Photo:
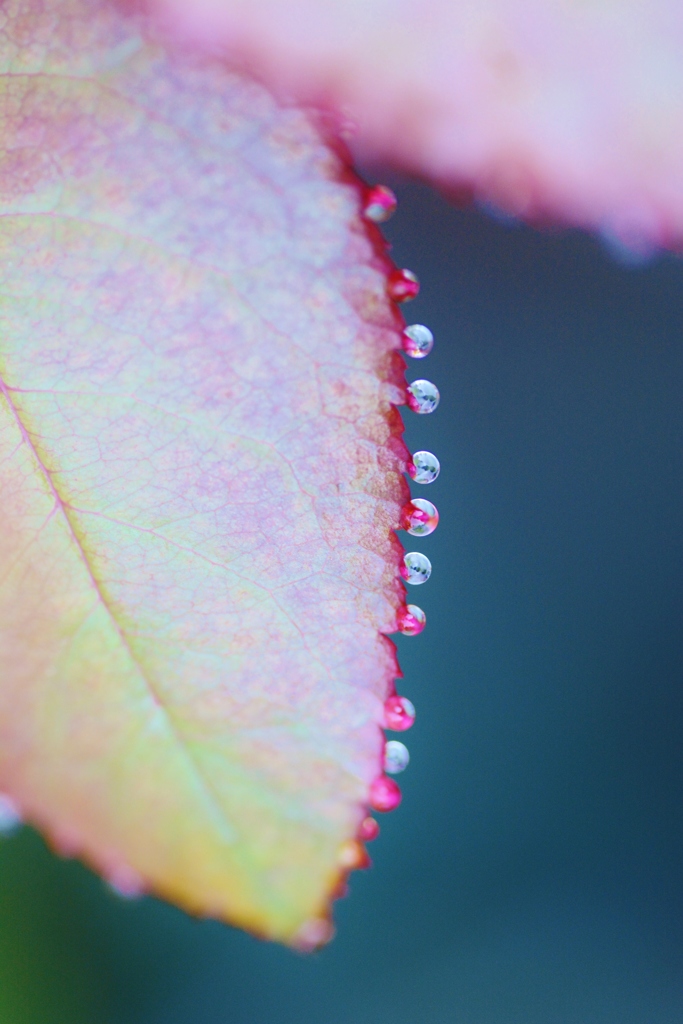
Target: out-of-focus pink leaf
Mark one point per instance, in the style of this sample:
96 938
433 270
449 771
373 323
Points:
200 470
567 109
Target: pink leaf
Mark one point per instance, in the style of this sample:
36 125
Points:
201 469
571 110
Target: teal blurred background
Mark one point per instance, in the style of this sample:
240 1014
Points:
533 874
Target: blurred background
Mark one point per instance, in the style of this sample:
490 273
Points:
533 874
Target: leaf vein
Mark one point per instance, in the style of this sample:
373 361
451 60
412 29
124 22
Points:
97 586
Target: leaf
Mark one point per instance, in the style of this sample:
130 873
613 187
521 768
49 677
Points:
200 469
571 110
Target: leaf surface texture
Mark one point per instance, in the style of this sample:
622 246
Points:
200 470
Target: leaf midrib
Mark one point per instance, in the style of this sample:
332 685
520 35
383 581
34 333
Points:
179 741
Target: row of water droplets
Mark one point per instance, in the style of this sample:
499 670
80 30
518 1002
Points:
419 518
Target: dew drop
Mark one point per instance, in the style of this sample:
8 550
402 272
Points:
422 396
399 713
369 829
65 841
10 818
425 468
402 285
419 517
385 794
380 204
125 882
410 620
418 341
353 856
396 757
416 568
313 934
347 127
341 889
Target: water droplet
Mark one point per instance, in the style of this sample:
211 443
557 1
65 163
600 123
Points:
353 856
396 757
422 396
380 204
347 127
399 713
385 794
411 620
369 829
125 882
313 934
425 468
416 568
341 889
418 341
10 818
402 285
419 517
65 841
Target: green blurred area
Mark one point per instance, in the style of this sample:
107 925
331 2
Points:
47 971
70 950
533 873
